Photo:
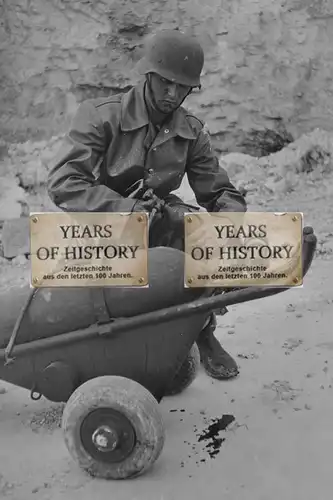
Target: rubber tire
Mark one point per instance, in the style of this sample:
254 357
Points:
187 373
133 401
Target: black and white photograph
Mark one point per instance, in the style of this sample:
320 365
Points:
166 249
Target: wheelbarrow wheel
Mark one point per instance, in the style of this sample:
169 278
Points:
113 428
187 372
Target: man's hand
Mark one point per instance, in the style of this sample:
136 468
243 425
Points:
148 202
143 206
150 196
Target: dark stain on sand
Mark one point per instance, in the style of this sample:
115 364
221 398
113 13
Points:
210 435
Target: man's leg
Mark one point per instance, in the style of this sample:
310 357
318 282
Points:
215 360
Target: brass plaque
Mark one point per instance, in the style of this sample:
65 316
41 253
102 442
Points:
243 249
89 249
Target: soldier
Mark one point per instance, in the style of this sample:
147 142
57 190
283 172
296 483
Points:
146 135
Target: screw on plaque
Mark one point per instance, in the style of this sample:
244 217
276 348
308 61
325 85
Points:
189 219
141 280
295 280
190 281
34 219
140 218
295 218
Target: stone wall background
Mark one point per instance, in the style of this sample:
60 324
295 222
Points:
269 64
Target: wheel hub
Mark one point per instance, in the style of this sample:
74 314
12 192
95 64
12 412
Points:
105 438
107 435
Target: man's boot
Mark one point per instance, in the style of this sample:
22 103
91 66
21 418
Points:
216 361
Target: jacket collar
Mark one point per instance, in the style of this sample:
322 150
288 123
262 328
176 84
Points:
134 114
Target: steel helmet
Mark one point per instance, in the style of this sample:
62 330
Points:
174 56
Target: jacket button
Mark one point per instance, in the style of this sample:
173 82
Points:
166 130
151 170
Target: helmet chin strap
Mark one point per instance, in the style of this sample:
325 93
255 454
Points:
153 100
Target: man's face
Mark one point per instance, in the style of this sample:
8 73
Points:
168 95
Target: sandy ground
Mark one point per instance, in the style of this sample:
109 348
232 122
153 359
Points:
279 445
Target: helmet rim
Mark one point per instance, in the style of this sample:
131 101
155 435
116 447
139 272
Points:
174 56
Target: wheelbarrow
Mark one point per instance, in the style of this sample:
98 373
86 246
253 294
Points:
112 354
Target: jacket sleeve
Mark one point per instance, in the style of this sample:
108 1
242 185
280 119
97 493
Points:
71 182
209 181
